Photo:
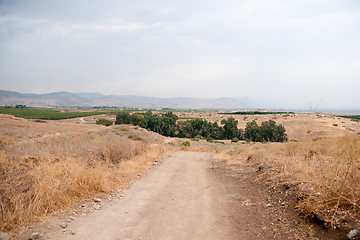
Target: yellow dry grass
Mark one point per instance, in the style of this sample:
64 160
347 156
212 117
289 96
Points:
330 169
326 172
51 173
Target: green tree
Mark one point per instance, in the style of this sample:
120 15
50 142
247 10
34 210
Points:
105 122
216 131
123 118
185 129
267 132
230 128
139 120
168 124
252 132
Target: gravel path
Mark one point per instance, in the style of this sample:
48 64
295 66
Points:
176 200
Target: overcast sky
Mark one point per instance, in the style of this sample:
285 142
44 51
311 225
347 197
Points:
291 53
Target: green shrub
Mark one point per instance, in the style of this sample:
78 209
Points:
235 139
335 125
105 122
186 144
317 139
210 140
199 137
2 143
122 129
135 137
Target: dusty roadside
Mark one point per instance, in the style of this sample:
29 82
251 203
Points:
266 207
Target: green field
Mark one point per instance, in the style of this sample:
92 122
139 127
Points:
48 113
353 117
255 113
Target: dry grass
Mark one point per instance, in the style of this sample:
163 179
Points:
330 170
14 130
326 173
45 174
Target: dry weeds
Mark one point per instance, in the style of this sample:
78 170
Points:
326 173
42 175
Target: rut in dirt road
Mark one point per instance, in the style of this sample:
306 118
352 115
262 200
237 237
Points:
176 200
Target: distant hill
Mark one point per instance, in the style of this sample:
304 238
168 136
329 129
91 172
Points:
66 99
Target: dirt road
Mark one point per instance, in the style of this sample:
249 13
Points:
189 195
177 200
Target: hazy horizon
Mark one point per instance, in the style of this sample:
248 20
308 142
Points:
290 54
250 104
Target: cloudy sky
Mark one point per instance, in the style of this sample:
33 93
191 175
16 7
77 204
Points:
290 53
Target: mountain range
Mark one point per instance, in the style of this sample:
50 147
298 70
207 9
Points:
85 99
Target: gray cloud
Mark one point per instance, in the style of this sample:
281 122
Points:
290 53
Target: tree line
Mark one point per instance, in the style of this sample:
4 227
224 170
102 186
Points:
167 124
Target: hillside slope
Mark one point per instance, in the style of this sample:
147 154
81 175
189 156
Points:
66 99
